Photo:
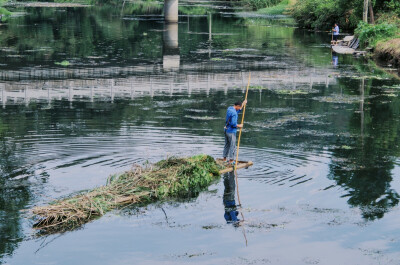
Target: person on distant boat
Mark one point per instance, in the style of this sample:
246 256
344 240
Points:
230 130
335 34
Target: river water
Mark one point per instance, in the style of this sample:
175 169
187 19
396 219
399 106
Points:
88 92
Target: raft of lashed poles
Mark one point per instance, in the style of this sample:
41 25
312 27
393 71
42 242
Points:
170 178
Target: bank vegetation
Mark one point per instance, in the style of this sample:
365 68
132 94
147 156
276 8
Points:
375 22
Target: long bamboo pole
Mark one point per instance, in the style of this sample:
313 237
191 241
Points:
238 145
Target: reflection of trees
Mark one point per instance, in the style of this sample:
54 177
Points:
95 35
13 197
365 170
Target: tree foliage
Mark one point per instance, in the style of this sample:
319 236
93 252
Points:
323 14
370 34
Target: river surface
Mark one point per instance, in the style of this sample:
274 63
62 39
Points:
88 92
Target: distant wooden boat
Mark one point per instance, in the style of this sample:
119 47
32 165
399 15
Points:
343 49
230 168
346 46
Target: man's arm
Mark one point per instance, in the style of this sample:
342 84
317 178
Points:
243 104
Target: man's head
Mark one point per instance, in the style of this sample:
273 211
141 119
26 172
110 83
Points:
237 105
336 24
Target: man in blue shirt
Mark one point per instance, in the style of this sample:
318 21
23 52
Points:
231 129
335 34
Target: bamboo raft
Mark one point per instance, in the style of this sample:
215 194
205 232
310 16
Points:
230 168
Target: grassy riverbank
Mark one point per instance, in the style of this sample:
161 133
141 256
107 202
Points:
383 37
280 9
269 7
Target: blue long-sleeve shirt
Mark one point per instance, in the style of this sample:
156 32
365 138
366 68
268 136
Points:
336 32
231 119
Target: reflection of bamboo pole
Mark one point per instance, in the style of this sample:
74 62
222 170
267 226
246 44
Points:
362 109
240 134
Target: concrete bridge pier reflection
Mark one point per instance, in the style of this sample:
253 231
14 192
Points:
171 56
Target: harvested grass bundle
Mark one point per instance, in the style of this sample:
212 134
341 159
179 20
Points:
171 178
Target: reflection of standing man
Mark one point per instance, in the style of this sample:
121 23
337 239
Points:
231 212
231 129
335 59
335 34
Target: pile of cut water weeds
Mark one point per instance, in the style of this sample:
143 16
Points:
170 178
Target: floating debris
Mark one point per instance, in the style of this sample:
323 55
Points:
346 147
240 50
295 92
344 99
272 110
202 118
287 119
285 91
391 87
197 110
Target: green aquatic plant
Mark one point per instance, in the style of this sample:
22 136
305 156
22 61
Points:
292 92
63 63
218 59
170 178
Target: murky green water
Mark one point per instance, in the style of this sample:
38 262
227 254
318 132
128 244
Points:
321 129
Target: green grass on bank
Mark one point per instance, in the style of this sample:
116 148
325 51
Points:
383 37
279 9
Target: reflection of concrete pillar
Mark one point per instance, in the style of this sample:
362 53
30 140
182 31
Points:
151 87
208 84
92 93
209 27
3 95
132 90
70 95
171 10
112 90
171 56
